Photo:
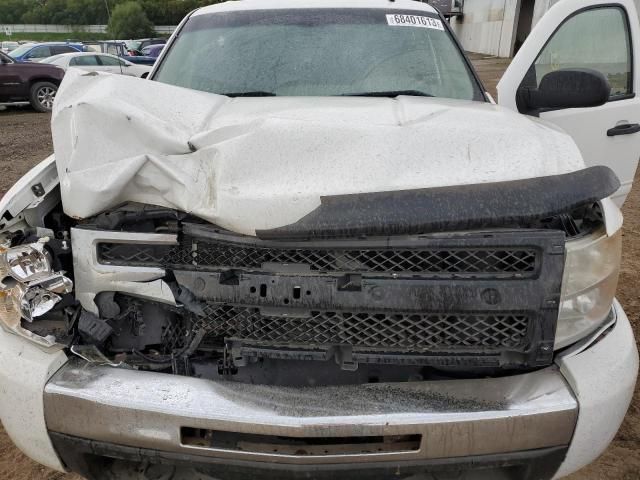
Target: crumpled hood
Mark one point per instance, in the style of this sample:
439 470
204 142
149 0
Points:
247 164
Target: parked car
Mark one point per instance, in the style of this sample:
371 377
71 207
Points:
98 62
114 47
119 48
312 246
140 44
29 82
153 51
7 47
140 59
37 51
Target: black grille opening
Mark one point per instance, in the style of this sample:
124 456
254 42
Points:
410 332
195 254
298 446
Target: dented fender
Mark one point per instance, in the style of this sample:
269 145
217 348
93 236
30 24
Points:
37 188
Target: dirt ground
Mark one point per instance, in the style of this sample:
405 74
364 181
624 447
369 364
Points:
25 140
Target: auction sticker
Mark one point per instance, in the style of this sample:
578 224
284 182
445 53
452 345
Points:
399 20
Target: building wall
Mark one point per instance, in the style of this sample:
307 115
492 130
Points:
490 26
487 26
541 8
543 5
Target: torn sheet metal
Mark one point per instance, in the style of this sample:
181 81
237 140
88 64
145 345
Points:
261 163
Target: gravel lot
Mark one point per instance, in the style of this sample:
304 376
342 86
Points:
25 140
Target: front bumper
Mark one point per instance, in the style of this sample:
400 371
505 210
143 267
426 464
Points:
450 418
511 427
554 417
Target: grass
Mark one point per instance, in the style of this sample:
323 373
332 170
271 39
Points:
53 37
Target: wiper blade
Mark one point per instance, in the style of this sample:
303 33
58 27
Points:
390 94
257 93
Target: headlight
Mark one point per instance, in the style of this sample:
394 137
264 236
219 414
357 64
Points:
25 263
589 285
28 288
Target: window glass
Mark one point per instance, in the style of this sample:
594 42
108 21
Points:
114 49
133 44
20 51
597 39
39 52
324 52
58 49
84 61
110 61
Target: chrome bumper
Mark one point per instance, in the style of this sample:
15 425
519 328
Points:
453 418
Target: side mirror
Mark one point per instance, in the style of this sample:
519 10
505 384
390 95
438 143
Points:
566 88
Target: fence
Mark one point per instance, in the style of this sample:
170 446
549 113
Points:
40 28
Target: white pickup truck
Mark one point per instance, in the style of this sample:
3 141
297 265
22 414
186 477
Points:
313 247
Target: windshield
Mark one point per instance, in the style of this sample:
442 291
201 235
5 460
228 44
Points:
319 52
21 50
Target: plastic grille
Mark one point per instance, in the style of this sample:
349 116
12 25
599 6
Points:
409 332
192 254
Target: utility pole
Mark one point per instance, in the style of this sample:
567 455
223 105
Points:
106 4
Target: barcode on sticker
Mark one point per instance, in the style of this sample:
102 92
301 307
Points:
420 21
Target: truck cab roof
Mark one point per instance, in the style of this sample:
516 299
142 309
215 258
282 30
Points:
294 4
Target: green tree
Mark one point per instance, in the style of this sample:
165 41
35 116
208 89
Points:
128 20
91 12
11 11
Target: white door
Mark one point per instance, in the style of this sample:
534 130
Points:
111 64
85 62
601 35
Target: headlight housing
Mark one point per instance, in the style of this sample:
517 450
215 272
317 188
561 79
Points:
25 263
589 285
29 288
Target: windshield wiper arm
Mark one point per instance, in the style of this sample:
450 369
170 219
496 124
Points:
390 94
257 93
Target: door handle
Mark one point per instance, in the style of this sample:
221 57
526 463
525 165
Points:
625 129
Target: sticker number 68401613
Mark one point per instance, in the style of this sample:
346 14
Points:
399 20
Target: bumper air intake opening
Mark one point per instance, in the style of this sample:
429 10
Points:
299 447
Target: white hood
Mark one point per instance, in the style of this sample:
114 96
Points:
247 164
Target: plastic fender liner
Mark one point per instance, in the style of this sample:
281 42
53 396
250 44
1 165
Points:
461 207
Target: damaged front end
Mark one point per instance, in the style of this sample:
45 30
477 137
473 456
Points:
174 249
157 289
30 288
36 264
459 300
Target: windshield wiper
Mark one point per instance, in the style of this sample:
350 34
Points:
390 94
257 93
